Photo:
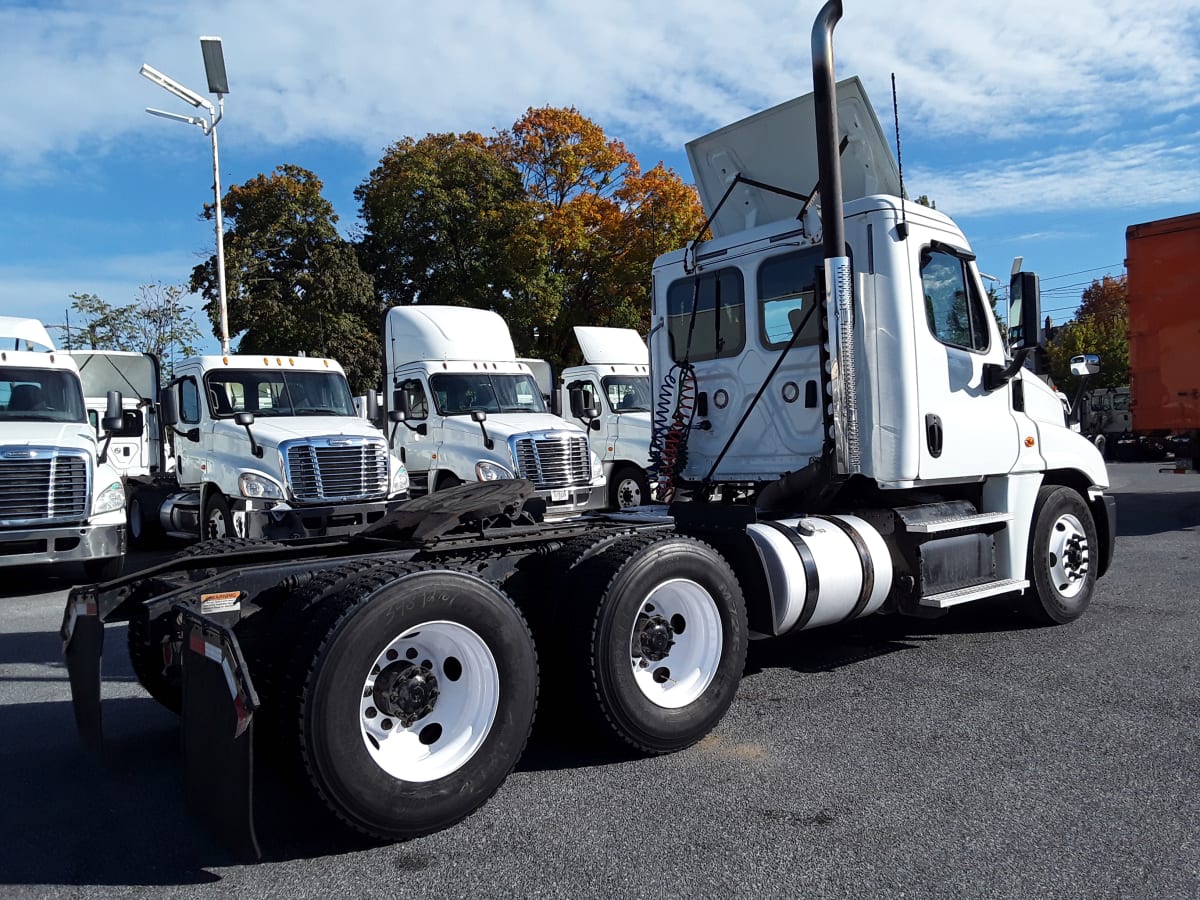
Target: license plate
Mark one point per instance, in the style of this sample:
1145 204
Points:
557 495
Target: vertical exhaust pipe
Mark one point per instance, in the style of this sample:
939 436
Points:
829 169
839 279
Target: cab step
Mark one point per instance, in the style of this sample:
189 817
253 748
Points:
958 523
974 592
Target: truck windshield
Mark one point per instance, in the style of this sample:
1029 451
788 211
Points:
627 393
277 393
40 395
457 393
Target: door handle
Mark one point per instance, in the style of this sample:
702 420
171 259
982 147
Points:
933 434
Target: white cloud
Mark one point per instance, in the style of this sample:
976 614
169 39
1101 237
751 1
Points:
369 71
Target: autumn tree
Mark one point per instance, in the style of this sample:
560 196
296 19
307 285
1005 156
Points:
446 221
1101 326
294 284
157 321
602 222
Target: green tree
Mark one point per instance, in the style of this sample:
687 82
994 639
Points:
156 322
293 284
447 222
1101 326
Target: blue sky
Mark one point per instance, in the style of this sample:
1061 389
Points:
1044 129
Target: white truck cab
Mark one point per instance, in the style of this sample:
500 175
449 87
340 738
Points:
268 446
615 379
473 412
60 500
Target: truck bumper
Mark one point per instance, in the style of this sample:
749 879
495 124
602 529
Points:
73 543
568 501
283 522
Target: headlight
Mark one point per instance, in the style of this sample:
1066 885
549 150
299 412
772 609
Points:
259 487
490 471
399 483
112 497
597 467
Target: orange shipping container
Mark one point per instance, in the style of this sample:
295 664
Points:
1163 263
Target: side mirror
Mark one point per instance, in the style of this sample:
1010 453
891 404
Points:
1087 364
396 415
245 419
168 407
372 407
578 410
478 415
114 417
1025 311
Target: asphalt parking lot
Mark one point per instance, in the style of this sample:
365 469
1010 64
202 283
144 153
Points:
972 756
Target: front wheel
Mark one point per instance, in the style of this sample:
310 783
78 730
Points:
666 642
1062 566
628 487
218 520
418 700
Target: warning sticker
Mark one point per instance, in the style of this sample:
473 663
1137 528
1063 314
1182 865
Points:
225 601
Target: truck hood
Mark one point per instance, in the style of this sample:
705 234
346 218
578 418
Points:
502 426
76 435
272 432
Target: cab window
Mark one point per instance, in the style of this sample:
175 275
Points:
787 291
418 404
706 316
954 310
189 401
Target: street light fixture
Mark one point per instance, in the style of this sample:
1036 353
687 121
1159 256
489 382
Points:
218 83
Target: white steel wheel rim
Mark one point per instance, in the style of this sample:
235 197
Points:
442 740
629 492
1069 555
216 524
690 664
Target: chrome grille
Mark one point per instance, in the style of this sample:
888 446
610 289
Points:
553 460
41 485
337 470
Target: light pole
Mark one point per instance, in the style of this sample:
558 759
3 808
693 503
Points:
218 83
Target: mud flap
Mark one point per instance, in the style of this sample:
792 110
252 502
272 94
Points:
83 644
218 733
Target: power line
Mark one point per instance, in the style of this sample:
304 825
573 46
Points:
1085 271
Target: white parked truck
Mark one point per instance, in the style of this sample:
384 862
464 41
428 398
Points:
847 435
473 412
60 499
615 380
242 445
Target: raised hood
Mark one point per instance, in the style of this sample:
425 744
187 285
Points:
778 146
611 346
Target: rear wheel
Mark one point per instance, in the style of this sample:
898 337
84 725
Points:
665 625
155 663
1062 567
145 531
416 701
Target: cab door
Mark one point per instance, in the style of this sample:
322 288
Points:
966 431
191 456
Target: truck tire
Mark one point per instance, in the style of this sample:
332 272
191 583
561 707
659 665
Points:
145 530
665 629
447 480
416 701
218 520
628 487
1062 563
162 680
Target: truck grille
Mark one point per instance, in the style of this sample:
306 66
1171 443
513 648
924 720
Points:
555 460
42 486
337 470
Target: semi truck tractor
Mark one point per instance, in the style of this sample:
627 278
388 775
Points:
615 380
473 412
61 500
241 446
1162 259
844 434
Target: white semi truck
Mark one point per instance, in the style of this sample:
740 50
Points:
242 445
847 435
473 412
615 380
61 501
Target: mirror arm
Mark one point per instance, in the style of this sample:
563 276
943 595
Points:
254 445
995 377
